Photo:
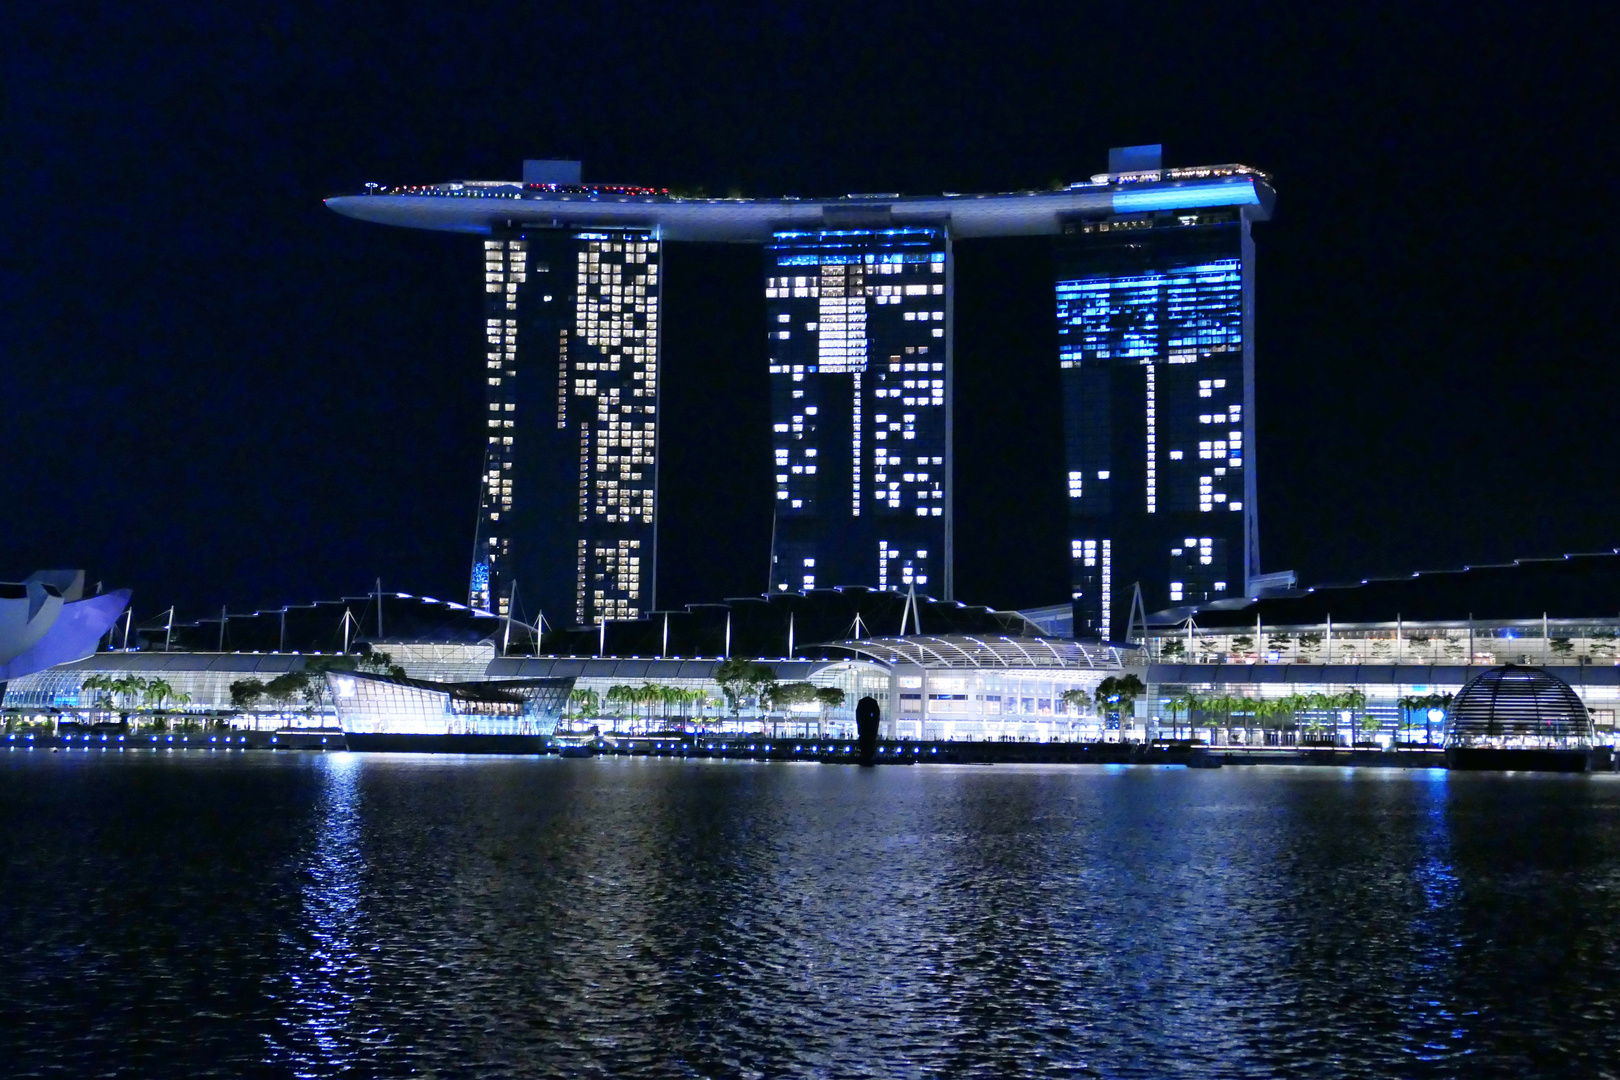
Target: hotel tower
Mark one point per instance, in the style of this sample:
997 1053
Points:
1154 288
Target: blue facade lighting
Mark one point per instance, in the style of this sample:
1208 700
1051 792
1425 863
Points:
1187 197
1157 368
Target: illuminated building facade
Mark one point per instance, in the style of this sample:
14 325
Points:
1154 288
568 507
859 323
1156 329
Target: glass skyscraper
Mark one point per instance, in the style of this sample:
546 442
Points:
1156 329
860 372
567 517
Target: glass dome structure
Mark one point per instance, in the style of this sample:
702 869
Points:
1518 708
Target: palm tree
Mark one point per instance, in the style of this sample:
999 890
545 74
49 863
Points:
1264 709
587 702
1230 703
689 697
180 699
127 687
1406 706
101 685
1215 708
1190 704
1354 702
1304 708
156 692
673 697
1295 704
1243 707
1186 703
1173 703
617 696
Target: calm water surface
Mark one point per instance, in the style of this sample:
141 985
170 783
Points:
343 915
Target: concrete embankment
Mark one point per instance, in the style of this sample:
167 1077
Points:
831 751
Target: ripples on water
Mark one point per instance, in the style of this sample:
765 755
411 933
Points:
345 915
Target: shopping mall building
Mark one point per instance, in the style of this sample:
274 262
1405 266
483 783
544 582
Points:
938 670
1266 669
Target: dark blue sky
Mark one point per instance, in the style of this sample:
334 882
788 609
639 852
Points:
216 391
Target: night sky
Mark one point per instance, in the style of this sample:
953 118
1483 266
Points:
216 391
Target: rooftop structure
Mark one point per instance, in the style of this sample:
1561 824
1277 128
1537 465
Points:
778 624
484 206
1580 587
330 626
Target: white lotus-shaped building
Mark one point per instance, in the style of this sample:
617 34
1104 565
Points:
47 620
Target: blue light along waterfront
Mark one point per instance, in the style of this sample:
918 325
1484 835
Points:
325 915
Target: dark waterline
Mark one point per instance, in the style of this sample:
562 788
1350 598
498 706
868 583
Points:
347 915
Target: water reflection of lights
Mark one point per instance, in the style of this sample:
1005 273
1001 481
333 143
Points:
327 975
1430 1023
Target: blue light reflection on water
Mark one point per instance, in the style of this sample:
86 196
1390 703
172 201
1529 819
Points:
326 974
382 915
1430 1027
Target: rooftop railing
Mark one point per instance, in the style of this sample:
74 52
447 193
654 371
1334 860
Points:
1448 646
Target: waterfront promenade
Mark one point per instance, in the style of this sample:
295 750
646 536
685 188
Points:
829 751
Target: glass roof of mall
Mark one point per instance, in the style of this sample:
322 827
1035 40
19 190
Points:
965 651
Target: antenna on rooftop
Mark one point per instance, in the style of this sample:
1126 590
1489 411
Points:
911 611
511 609
1136 627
